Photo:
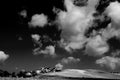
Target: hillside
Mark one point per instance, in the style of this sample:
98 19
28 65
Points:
88 73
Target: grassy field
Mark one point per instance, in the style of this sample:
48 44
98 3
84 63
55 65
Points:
50 78
35 79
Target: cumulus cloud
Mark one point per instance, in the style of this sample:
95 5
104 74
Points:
36 37
113 11
77 20
116 53
37 42
97 46
3 56
74 24
111 31
70 60
59 66
38 20
110 62
49 50
23 13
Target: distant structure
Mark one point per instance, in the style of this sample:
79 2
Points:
23 73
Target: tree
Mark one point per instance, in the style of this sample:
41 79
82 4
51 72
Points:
13 74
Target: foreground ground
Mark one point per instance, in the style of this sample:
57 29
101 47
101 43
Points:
71 74
51 78
35 79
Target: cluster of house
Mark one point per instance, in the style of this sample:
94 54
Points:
33 73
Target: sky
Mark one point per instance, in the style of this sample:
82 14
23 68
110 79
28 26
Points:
36 33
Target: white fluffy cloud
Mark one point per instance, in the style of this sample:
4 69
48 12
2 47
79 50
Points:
65 61
74 24
38 20
49 50
113 11
97 45
111 31
77 20
70 60
36 37
59 66
23 13
110 62
3 56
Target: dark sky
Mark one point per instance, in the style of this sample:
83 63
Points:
14 26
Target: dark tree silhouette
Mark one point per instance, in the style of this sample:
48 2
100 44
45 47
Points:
13 74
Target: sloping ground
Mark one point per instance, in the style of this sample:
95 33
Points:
75 73
52 78
71 74
103 74
49 78
45 78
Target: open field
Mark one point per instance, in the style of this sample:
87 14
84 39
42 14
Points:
52 78
36 79
69 74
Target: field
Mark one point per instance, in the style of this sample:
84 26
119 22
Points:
35 79
69 74
51 78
